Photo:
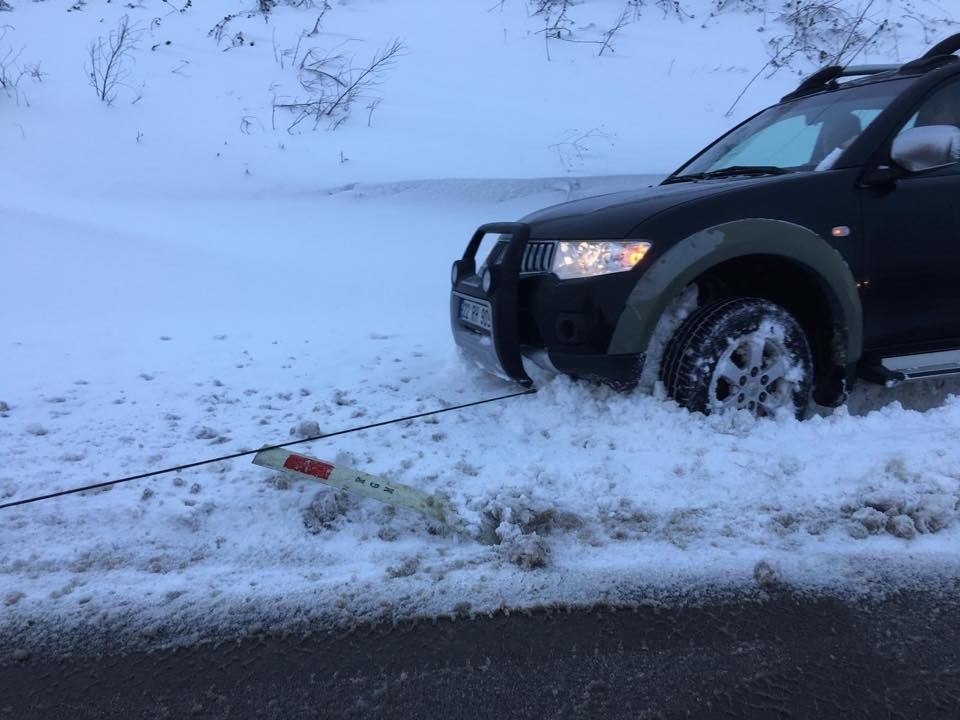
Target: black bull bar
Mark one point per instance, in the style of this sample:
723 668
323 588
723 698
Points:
497 349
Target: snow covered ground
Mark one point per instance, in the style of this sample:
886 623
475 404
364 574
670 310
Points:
183 281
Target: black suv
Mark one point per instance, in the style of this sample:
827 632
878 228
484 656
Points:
816 243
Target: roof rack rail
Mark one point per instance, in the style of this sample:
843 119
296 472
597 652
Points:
945 47
825 78
939 54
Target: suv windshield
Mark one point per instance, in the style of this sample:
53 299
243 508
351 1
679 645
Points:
809 133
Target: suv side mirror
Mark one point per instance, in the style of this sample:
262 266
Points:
926 147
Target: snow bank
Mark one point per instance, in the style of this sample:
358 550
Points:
167 350
182 281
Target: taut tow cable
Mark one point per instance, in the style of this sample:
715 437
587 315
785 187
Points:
245 453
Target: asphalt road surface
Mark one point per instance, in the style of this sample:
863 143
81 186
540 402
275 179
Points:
767 655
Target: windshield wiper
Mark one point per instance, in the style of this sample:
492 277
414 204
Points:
731 171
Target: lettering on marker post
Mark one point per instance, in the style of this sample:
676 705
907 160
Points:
356 481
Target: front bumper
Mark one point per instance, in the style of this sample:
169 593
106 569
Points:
562 325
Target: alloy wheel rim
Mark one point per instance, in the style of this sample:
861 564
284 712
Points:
752 375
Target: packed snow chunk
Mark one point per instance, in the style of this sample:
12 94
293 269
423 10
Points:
683 526
36 429
784 523
280 480
305 429
872 519
625 521
902 526
531 516
882 502
526 551
205 433
766 575
857 531
520 543
406 568
897 467
934 519
324 510
925 505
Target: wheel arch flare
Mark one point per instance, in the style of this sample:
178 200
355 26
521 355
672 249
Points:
694 257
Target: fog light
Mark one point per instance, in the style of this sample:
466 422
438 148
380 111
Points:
455 272
486 281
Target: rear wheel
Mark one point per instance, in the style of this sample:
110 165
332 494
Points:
740 354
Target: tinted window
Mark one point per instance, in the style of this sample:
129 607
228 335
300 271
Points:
941 108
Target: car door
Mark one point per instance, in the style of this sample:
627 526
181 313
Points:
911 293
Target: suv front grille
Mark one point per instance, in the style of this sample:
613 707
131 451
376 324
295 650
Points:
537 257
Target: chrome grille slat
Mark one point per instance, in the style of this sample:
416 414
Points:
537 257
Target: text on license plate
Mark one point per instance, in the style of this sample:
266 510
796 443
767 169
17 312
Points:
475 313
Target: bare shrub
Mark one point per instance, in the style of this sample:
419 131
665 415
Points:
187 4
109 60
929 15
556 14
826 31
266 6
334 84
610 34
667 7
835 32
747 6
33 71
559 24
324 9
576 145
12 71
217 31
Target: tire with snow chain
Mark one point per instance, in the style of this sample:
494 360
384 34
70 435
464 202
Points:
739 354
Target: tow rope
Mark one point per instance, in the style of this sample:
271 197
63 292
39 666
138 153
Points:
246 453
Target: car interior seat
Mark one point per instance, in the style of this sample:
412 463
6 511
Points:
836 132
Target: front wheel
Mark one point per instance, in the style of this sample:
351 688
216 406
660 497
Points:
740 354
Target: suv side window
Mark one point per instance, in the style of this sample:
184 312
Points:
941 108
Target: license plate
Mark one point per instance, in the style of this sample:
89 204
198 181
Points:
476 313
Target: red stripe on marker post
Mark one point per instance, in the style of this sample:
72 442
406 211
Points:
308 466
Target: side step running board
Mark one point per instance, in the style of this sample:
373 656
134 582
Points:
892 371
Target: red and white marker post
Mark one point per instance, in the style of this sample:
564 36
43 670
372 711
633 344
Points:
361 483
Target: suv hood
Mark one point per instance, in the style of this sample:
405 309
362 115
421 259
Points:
615 215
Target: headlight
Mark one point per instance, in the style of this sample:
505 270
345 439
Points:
586 258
